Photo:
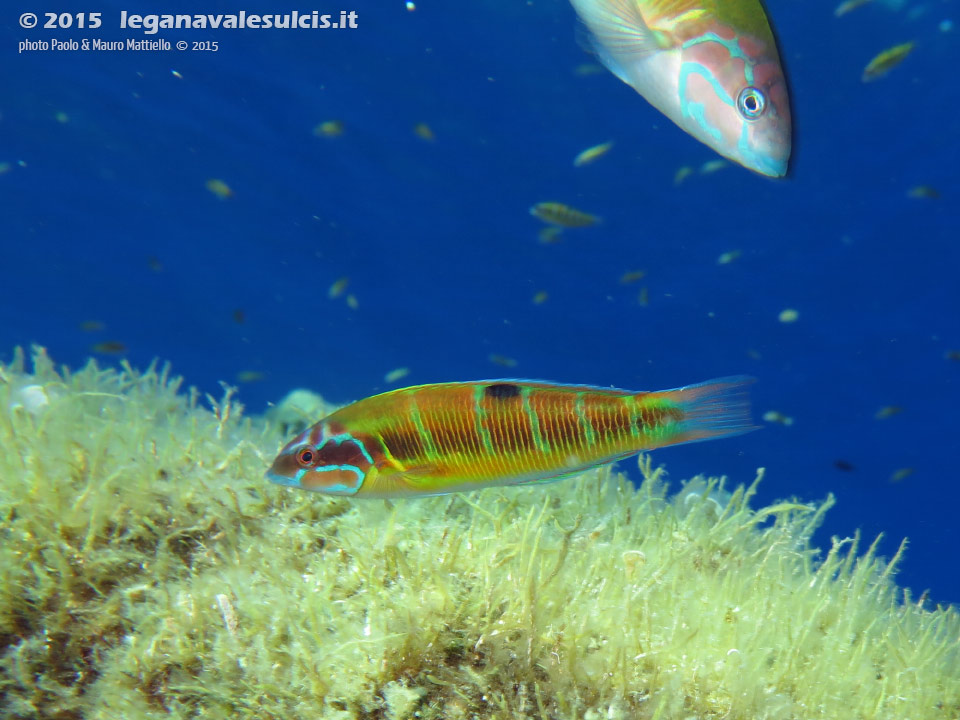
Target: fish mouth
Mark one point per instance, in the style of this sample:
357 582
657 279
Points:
769 166
279 479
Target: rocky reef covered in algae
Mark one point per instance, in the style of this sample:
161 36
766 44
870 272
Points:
149 571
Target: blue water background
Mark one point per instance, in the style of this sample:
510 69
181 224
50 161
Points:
106 218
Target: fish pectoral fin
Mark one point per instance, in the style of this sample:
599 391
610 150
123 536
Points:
418 471
394 481
666 17
415 478
620 33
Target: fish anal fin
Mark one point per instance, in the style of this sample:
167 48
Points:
552 478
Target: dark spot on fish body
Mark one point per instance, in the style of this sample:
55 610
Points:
501 391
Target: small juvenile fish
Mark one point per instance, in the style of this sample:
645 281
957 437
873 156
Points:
338 287
219 188
563 215
424 132
450 437
330 128
711 166
901 474
396 374
788 315
848 6
923 192
886 61
592 153
109 347
502 360
887 411
775 416
587 69
682 174
550 234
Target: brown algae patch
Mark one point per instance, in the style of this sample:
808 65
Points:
149 571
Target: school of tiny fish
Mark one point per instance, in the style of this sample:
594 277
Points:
714 69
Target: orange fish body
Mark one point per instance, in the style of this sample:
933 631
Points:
448 437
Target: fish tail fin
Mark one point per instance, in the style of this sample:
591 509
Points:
713 409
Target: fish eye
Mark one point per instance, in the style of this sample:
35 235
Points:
751 103
305 456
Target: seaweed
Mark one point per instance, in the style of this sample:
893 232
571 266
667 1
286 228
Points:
151 572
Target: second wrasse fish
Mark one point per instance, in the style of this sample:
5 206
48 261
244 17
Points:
563 215
711 66
449 437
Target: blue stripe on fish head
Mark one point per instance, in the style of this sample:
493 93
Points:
323 459
757 135
338 465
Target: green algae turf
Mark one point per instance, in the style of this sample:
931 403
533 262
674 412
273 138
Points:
149 571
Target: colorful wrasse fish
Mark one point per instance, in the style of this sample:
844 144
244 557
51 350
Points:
711 66
436 439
